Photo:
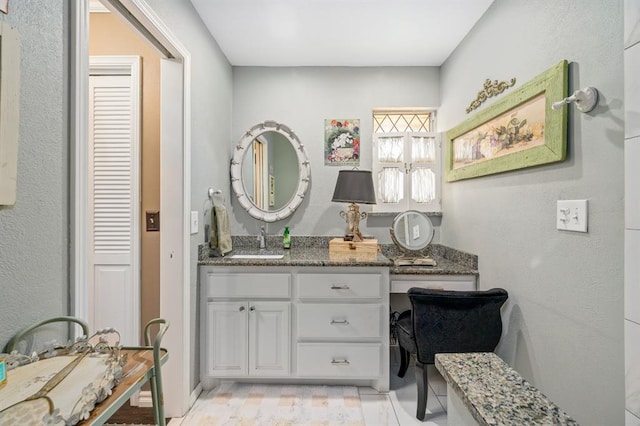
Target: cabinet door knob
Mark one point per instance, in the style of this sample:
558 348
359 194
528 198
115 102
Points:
253 308
340 362
241 308
341 322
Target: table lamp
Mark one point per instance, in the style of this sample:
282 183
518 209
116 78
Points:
354 186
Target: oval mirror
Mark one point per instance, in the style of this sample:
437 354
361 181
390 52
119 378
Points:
412 230
270 171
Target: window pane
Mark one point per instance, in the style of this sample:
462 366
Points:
388 122
423 149
423 185
390 150
390 185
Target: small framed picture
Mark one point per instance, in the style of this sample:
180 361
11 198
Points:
4 6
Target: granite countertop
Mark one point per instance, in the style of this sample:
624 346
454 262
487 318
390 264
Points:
495 394
314 251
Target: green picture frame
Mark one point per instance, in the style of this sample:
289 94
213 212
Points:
520 130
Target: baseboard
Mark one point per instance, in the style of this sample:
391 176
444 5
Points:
194 395
144 399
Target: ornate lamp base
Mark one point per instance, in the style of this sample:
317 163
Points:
353 217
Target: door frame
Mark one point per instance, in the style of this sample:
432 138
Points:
174 299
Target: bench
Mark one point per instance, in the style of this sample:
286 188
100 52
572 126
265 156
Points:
483 390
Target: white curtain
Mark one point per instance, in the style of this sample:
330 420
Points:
390 184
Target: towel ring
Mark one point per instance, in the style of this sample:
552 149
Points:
216 195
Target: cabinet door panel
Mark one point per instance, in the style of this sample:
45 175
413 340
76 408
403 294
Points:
227 339
270 337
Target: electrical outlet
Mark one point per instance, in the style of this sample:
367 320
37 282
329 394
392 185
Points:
572 215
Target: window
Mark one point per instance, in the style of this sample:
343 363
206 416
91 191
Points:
406 161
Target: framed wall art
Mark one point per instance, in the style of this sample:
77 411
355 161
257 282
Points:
520 130
342 142
9 108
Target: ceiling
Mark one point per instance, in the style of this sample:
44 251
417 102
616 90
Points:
339 32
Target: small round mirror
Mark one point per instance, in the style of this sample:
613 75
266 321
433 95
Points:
412 230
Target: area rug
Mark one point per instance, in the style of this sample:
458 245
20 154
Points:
247 404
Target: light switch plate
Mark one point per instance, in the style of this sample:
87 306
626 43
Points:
194 222
572 215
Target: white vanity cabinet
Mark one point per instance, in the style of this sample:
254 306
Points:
298 324
247 325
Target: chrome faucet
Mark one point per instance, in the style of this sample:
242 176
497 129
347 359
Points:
262 238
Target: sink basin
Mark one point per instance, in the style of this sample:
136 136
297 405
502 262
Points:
257 256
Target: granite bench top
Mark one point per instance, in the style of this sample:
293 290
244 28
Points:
495 394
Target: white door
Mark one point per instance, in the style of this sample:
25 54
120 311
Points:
269 338
175 289
226 351
114 210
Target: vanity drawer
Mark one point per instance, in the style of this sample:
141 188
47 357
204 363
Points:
339 360
339 320
339 286
247 285
402 283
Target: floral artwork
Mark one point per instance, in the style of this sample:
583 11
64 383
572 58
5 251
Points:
516 130
342 142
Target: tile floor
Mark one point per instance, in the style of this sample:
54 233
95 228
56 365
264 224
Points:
398 407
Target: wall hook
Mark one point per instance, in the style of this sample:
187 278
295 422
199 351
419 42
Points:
585 99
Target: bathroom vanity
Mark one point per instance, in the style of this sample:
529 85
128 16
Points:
305 318
299 315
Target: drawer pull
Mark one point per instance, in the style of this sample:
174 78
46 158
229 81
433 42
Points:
241 308
253 308
341 322
339 362
339 287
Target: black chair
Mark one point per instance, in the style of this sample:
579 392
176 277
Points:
443 321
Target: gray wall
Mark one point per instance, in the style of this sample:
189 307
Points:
563 321
34 233
210 128
303 98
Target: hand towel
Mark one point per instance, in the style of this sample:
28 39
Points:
220 236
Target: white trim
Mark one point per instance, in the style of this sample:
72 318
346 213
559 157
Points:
179 316
117 65
9 112
79 120
96 7
195 394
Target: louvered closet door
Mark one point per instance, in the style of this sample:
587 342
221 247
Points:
113 207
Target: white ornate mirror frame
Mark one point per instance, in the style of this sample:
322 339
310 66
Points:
304 172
